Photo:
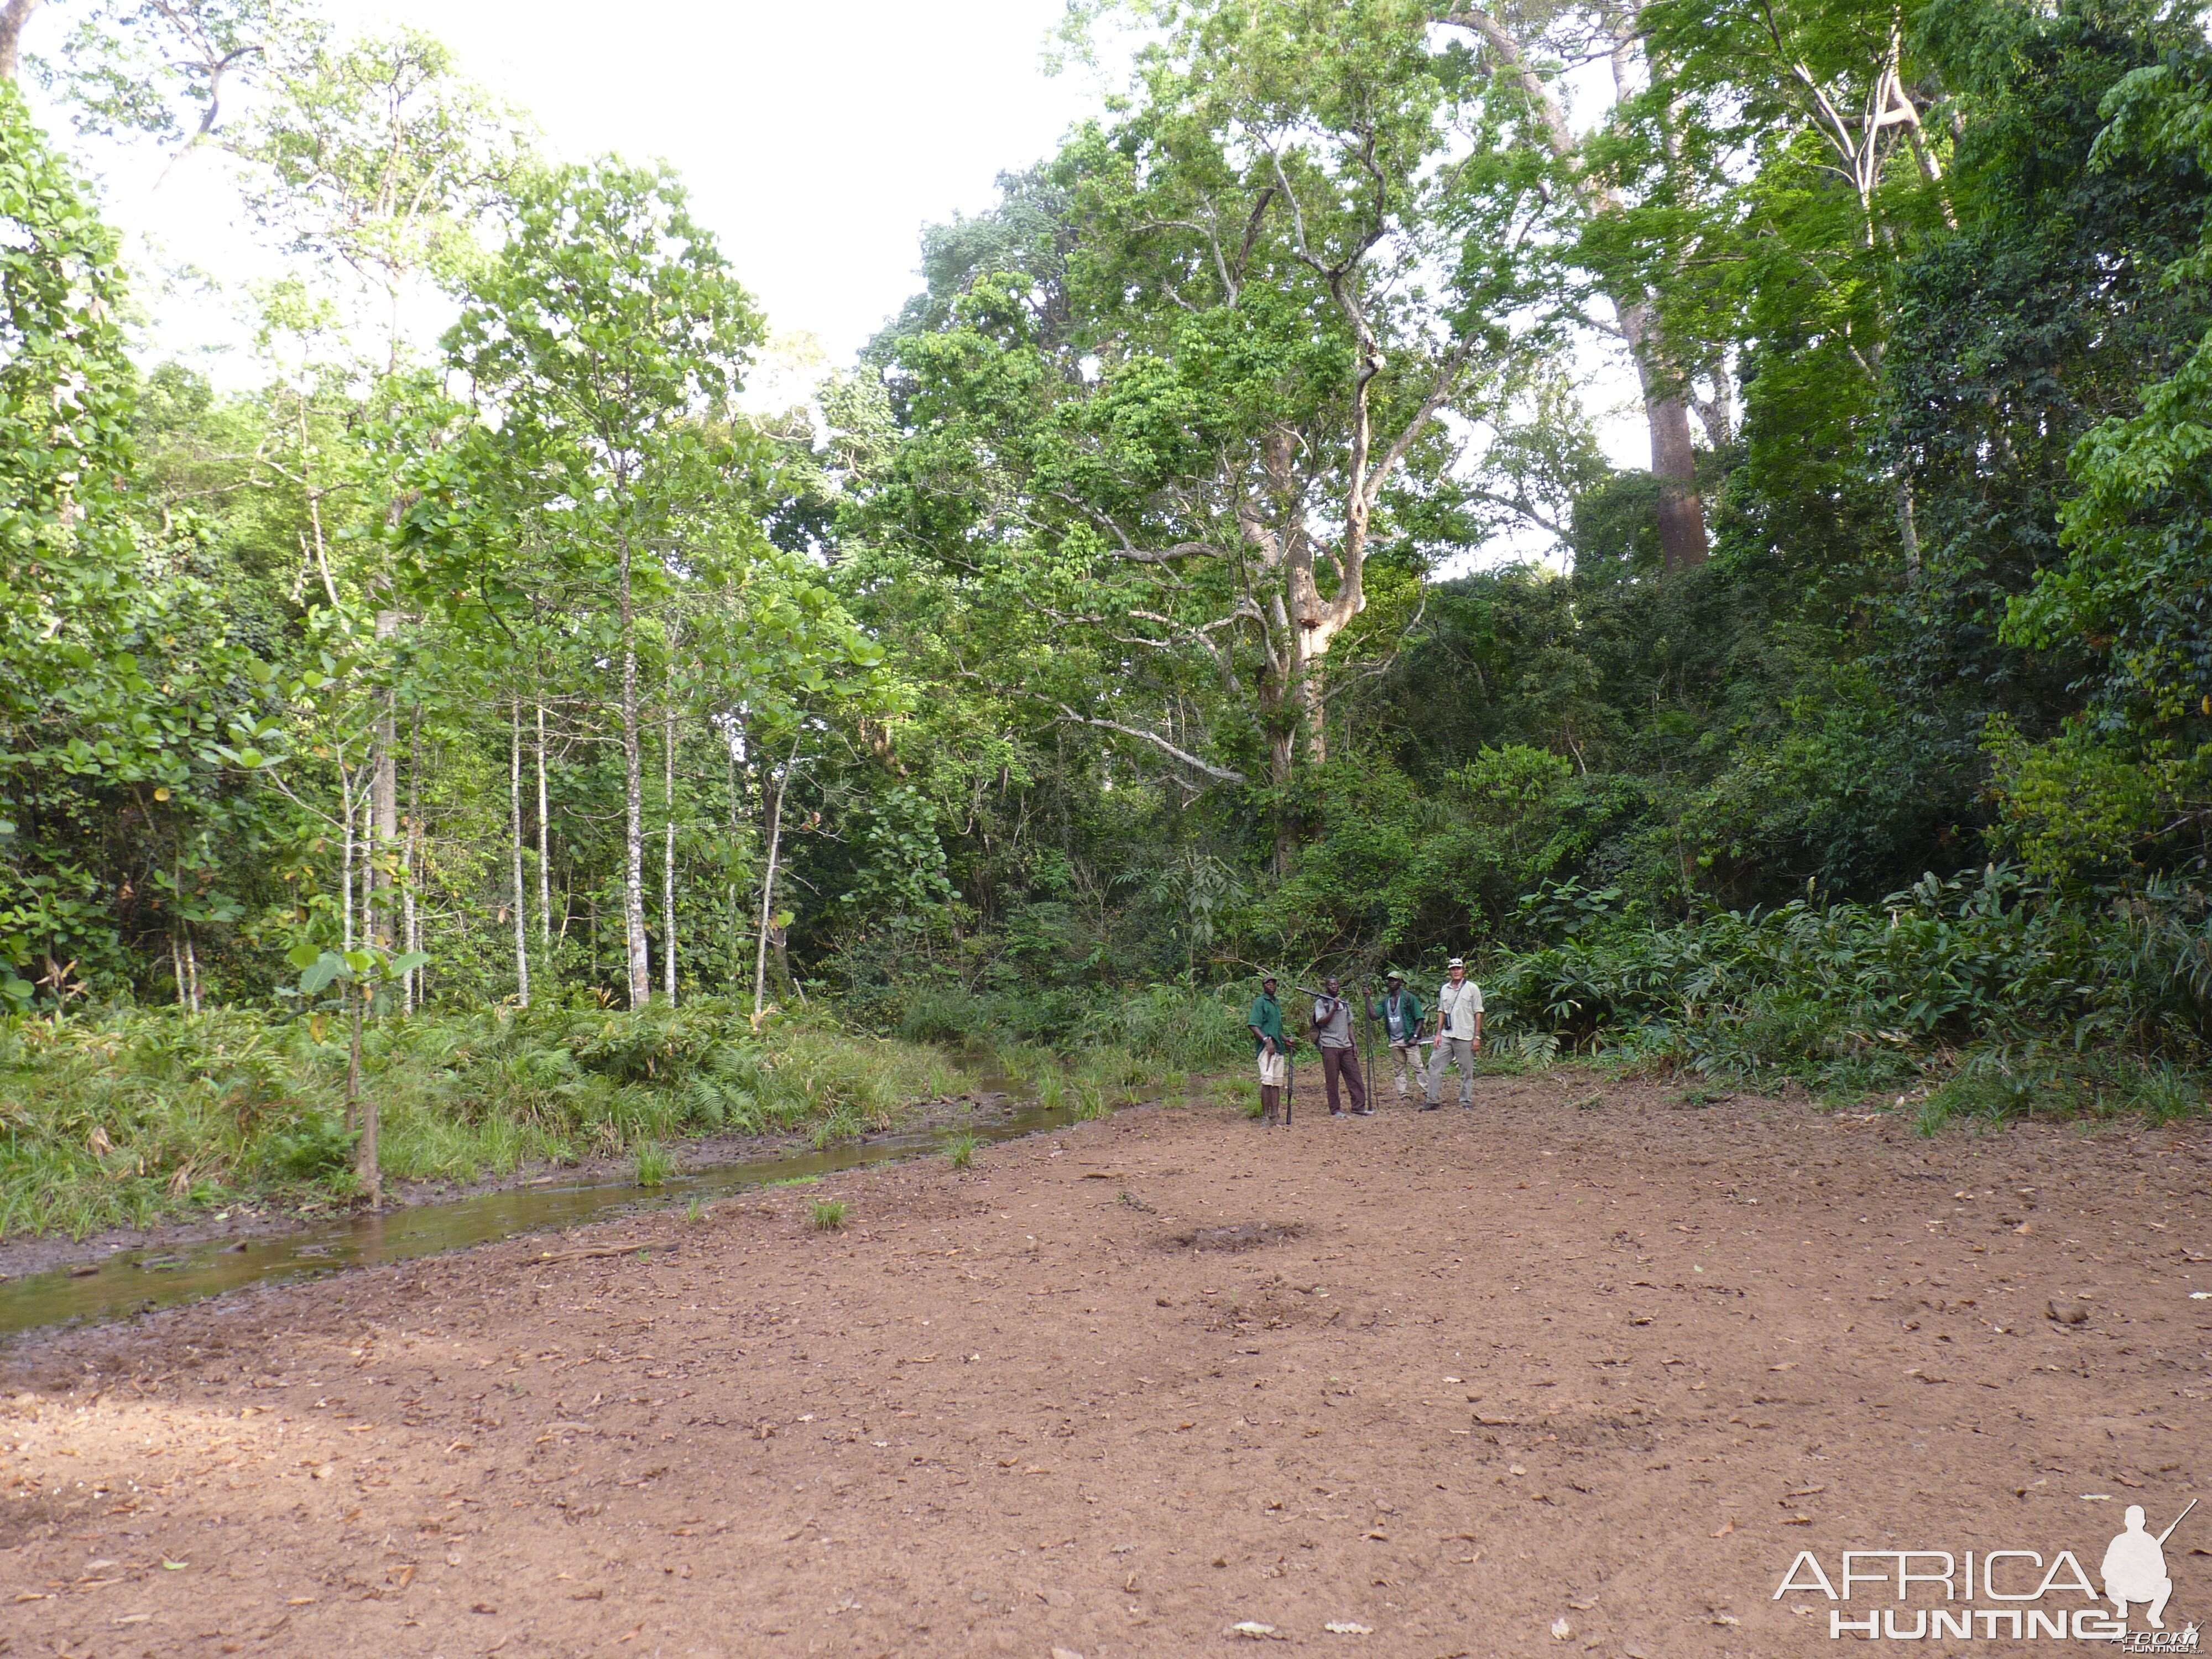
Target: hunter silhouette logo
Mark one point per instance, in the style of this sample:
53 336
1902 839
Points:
2033 1599
2135 1567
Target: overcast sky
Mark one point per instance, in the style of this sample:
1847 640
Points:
817 140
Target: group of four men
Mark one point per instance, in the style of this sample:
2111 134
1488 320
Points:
1457 1033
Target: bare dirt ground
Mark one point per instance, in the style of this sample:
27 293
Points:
1580 1371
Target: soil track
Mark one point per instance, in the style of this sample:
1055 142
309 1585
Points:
1584 1354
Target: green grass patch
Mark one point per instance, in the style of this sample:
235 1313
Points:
126 1116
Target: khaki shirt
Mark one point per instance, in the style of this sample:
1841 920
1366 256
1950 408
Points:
1456 1008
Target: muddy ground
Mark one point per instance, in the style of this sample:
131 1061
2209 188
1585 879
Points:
1579 1372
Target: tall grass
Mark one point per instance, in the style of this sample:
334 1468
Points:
119 1118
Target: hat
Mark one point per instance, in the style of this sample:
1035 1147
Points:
1394 973
1456 962
1266 979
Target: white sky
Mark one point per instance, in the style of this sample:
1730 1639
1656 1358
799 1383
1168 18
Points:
816 142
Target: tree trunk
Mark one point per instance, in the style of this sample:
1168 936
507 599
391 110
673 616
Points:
1666 411
514 811
1673 454
384 808
668 806
638 961
768 882
410 857
366 1168
12 19
730 752
544 848
1908 528
191 970
345 865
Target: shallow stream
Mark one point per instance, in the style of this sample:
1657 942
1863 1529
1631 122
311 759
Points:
129 1281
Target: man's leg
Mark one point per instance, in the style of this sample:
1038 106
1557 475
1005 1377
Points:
1404 1056
1332 1062
1463 1052
1432 1079
1354 1082
2158 1604
1270 1104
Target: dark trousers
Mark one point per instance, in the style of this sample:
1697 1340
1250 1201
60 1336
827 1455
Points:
1344 1062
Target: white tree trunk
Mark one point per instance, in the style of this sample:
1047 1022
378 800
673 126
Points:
383 836
514 808
668 844
410 858
639 960
544 854
767 891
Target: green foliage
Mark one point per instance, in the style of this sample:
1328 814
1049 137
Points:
651 1163
122 1117
827 1215
960 1150
1852 998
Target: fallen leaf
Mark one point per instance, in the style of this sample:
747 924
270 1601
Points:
1727 1527
1345 1627
1253 1629
1561 1629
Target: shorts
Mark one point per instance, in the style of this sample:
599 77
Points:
1272 1069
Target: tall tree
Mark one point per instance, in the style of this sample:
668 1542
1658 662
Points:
1190 440
602 340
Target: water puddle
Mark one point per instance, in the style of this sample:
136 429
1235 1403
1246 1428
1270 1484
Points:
130 1281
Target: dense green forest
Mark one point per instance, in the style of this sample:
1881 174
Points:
1214 563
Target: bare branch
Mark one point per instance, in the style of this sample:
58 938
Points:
1219 774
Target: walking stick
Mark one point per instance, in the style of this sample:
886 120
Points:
1289 1084
1367 1036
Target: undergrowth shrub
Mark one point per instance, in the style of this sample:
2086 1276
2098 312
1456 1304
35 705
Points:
2008 998
115 1117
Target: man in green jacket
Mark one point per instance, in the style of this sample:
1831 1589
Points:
1266 1022
1401 1014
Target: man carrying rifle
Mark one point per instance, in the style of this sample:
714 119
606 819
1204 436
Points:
1332 1024
1401 1013
1266 1024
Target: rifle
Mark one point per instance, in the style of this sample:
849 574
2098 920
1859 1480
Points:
2178 1520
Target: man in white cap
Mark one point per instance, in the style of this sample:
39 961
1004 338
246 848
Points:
2134 1569
1459 1035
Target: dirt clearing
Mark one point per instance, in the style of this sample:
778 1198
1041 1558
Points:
1580 1371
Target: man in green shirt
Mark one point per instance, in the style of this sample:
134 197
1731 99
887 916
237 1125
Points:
1266 1024
1402 1014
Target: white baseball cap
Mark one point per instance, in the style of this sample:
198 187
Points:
1456 962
